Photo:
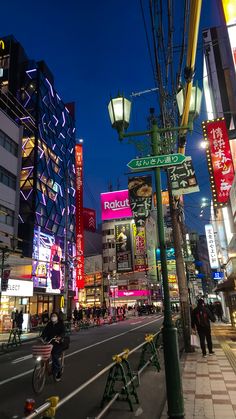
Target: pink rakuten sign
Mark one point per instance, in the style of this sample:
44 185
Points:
115 205
133 293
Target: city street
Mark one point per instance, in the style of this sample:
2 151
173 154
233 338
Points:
90 352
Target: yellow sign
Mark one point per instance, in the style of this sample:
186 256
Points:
229 7
2 44
62 302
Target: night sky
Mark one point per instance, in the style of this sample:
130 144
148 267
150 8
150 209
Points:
95 48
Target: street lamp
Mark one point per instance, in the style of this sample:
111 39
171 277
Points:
195 102
169 332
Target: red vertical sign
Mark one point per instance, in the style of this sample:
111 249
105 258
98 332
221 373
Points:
220 161
79 216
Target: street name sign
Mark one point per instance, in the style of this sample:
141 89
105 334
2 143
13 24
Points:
157 161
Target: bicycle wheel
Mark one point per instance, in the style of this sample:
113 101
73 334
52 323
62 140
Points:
39 377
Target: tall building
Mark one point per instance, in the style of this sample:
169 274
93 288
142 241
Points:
47 179
220 96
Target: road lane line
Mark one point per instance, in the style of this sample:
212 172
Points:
23 358
7 380
137 322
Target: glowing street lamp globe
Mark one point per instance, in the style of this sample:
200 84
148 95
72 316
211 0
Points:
119 110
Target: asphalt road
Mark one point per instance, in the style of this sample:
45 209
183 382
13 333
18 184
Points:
90 352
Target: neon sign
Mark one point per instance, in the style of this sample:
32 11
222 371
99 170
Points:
2 44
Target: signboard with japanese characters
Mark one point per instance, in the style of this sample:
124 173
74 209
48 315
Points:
140 256
183 179
214 263
219 158
140 197
79 216
156 161
123 247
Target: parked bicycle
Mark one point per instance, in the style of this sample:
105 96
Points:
42 369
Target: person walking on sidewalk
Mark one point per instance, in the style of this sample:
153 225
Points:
201 317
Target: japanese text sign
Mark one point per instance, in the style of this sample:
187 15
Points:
183 178
79 216
211 246
140 196
220 163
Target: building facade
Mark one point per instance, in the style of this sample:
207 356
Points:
47 178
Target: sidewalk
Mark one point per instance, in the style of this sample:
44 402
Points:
24 337
209 384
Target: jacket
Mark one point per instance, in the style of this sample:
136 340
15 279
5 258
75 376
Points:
201 317
53 329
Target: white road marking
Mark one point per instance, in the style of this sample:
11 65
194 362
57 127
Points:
23 358
137 322
15 377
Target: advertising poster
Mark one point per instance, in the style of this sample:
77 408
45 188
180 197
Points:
140 197
79 216
140 257
219 158
47 269
123 247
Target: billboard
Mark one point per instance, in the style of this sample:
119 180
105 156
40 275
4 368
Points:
132 293
211 246
115 205
140 257
123 247
79 241
47 270
89 219
140 196
219 159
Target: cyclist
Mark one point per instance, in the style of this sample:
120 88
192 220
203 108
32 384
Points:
55 329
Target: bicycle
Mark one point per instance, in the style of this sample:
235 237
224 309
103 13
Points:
42 354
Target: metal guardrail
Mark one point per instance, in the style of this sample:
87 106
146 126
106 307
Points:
43 408
156 339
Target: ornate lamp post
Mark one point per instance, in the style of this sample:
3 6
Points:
119 111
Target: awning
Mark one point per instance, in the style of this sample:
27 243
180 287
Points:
228 285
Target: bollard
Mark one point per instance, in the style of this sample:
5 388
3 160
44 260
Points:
51 411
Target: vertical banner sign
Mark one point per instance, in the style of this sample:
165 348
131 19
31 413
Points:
140 197
123 247
79 216
219 158
140 257
211 246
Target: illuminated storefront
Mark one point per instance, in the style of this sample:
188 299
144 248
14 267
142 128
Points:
16 297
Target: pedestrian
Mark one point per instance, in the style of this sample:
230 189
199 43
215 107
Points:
45 317
75 316
219 311
201 317
19 321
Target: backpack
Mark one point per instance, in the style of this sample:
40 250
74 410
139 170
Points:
65 342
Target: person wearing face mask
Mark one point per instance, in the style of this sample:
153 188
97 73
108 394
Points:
55 329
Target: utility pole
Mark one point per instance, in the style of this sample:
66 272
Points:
181 273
